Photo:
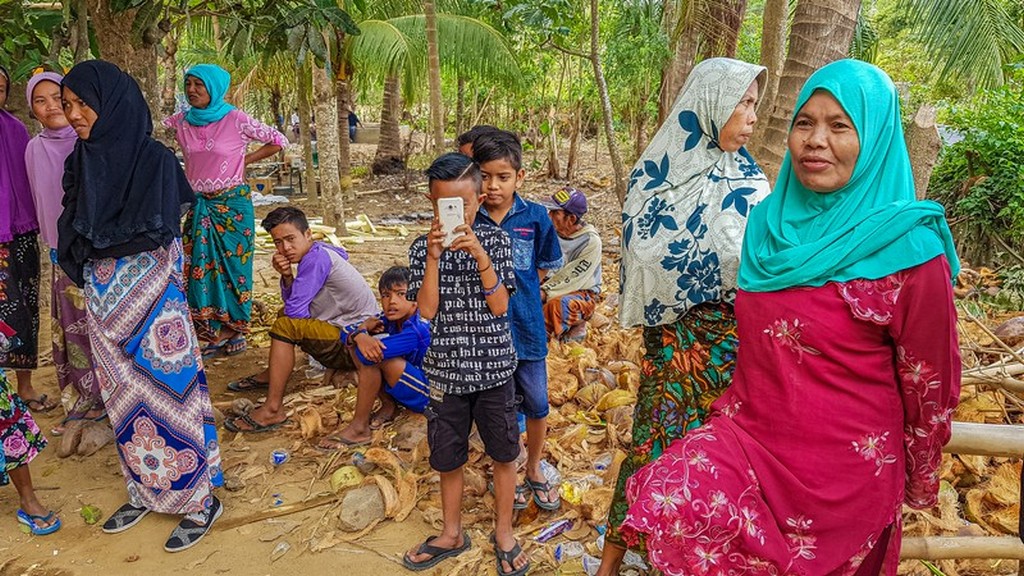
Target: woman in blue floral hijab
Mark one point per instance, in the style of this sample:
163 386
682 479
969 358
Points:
682 229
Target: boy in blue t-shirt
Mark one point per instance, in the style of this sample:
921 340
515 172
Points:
535 251
388 350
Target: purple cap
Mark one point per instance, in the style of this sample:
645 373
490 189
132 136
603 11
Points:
569 199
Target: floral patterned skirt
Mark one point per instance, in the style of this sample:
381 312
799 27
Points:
152 380
72 354
20 437
686 368
219 241
19 301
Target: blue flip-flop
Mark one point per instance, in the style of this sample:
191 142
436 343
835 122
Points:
30 521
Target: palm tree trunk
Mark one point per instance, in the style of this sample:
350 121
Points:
574 141
81 31
434 77
275 107
821 33
606 104
305 88
327 140
726 18
554 164
169 62
773 54
118 44
344 102
674 74
460 106
389 158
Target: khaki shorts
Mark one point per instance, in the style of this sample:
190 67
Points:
317 338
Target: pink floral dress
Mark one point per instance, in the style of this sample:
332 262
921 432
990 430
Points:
836 417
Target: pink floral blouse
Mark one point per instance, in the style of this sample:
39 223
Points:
836 417
215 153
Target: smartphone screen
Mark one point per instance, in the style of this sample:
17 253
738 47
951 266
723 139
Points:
451 213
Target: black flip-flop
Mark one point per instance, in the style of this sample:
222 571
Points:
247 384
341 443
544 487
41 401
436 554
509 556
232 426
521 490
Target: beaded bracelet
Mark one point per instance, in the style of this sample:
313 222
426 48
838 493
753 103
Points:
491 291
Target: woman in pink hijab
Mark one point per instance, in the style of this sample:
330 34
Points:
44 159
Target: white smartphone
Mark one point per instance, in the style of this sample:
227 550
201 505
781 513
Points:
451 213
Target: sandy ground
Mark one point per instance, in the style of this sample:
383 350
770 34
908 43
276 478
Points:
66 485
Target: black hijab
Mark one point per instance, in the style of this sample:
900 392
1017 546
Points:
123 191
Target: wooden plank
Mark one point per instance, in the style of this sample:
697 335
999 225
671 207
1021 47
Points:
986 439
957 547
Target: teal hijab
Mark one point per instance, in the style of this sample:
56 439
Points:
217 81
869 228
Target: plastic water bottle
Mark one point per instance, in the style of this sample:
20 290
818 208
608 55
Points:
315 369
551 474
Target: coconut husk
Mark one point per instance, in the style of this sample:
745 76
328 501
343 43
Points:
588 395
596 502
392 503
310 422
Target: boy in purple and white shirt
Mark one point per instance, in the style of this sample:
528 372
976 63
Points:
323 296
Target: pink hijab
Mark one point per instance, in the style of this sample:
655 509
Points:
44 159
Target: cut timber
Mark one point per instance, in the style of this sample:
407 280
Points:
230 523
956 547
986 439
923 144
993 372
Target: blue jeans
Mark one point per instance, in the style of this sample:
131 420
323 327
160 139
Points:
531 378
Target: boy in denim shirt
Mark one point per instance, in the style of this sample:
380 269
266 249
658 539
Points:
535 251
463 291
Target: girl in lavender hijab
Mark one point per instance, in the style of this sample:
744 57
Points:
44 159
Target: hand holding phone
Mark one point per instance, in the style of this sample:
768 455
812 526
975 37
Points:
451 214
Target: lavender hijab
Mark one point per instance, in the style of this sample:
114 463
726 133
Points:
44 159
17 213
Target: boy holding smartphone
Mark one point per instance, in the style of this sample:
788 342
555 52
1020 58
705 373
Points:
463 290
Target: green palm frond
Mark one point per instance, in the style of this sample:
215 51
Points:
383 49
970 39
468 47
864 45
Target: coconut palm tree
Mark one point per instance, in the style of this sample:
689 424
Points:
392 48
972 40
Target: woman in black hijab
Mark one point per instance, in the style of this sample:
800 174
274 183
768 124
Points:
120 237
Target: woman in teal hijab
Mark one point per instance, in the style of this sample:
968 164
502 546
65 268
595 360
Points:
215 81
849 368
869 227
214 137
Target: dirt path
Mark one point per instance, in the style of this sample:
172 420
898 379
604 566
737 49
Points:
68 484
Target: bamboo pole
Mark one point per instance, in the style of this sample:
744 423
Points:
986 439
959 547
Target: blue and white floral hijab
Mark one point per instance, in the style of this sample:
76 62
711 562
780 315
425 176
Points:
687 203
